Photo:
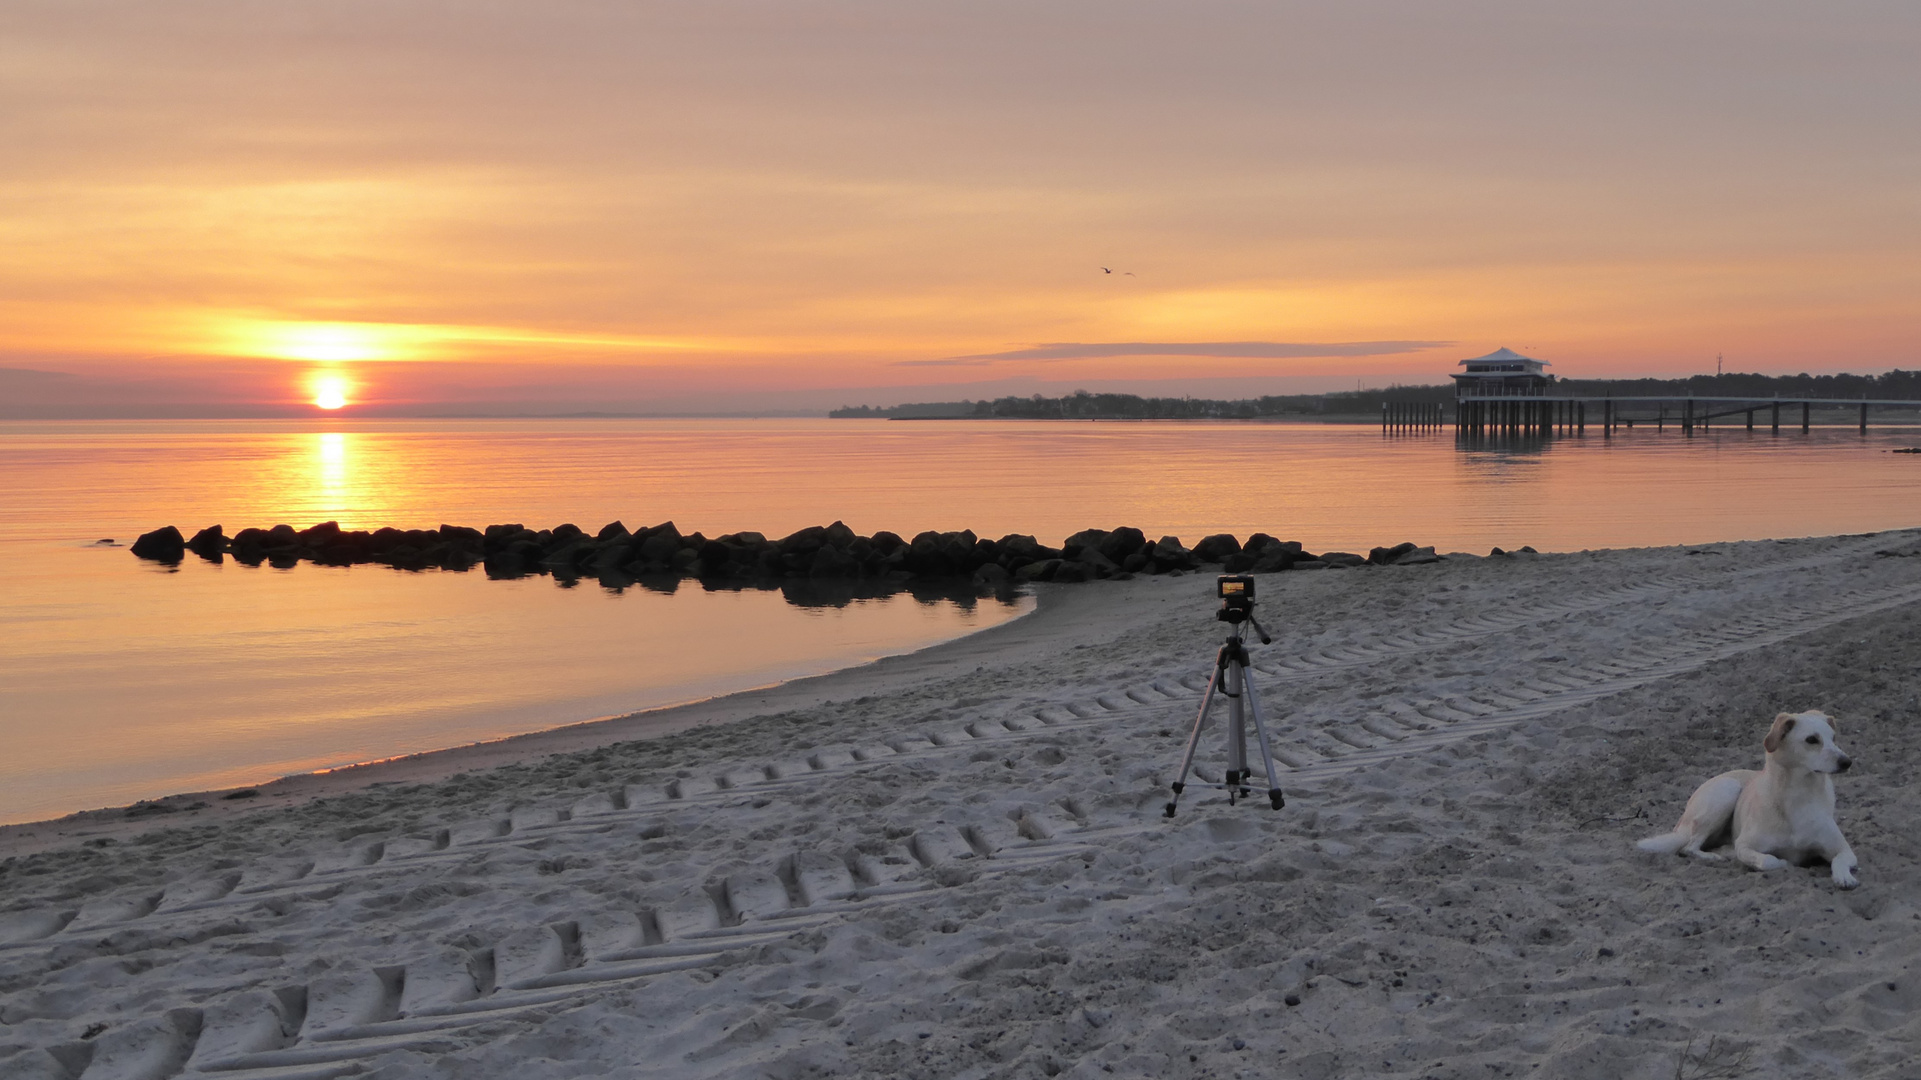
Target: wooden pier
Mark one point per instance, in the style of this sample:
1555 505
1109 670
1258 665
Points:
1549 413
1413 416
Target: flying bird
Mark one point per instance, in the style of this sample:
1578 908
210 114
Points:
1105 270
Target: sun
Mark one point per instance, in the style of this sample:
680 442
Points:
330 391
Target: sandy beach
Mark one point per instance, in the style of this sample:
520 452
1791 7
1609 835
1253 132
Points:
954 864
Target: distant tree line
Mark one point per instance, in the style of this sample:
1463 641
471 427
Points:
1082 405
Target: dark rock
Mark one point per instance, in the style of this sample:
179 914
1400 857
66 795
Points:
1217 547
1019 546
1043 570
164 544
832 562
565 532
208 543
613 530
925 557
1168 554
1526 550
657 548
249 546
714 554
1134 563
1272 562
665 528
1385 556
1495 551
1310 564
1261 545
805 542
1085 540
887 543
1073 571
1238 563
1343 559
1122 542
958 550
838 535
341 548
284 536
1096 563
462 537
1416 557
991 576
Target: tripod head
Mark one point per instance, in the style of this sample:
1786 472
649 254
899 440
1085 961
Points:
1237 604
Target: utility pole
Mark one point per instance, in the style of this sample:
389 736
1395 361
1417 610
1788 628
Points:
1717 364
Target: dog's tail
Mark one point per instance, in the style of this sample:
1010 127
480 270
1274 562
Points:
1664 844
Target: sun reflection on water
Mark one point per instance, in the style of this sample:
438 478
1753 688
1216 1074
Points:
332 454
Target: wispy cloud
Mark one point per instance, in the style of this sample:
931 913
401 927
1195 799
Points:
1257 350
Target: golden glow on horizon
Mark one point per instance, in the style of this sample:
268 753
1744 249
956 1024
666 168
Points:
361 342
333 342
330 390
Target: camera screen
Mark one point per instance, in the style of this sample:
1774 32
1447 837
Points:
1234 586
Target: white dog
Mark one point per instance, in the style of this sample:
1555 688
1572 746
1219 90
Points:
1783 813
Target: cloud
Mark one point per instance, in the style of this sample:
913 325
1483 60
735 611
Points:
1256 350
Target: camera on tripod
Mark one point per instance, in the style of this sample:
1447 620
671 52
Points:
1237 598
1231 680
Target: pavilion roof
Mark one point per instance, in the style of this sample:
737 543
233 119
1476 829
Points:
1505 353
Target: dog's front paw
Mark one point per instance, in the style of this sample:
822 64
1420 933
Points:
1844 877
1769 862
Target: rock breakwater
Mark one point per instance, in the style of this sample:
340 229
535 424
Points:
822 552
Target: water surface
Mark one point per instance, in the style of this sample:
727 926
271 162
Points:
122 680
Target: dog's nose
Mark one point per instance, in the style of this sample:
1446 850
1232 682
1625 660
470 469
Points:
1845 763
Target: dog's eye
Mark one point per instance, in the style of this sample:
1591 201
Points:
1814 740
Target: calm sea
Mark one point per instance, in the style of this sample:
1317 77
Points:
122 680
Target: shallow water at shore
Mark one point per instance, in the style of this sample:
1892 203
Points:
121 680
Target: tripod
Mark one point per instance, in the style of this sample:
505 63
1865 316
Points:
1231 680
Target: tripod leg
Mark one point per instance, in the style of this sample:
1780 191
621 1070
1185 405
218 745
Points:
1237 770
1194 739
1274 797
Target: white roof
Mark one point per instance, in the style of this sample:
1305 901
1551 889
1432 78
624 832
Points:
1505 353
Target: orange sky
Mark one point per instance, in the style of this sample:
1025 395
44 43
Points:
672 205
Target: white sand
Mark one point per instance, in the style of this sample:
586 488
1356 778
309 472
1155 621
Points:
953 864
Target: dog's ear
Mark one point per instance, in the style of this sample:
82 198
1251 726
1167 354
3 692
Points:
1783 723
